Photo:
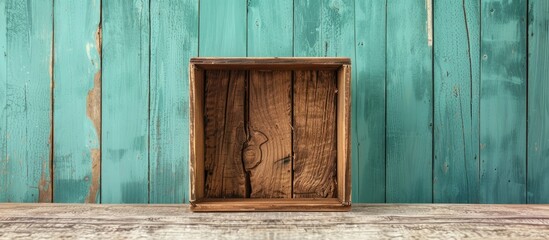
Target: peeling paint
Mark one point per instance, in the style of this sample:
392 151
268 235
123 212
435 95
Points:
45 188
96 174
429 7
93 103
98 39
44 185
93 112
89 47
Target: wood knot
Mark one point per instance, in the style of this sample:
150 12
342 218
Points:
251 157
251 153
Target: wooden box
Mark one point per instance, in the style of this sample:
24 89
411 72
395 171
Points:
270 134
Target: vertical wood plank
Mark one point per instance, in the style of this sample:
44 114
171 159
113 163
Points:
196 133
26 163
409 101
77 94
343 120
4 174
222 32
327 28
538 102
456 84
314 135
270 33
368 104
174 39
125 99
503 102
270 28
224 133
222 28
268 149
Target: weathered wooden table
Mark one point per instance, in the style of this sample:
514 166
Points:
364 221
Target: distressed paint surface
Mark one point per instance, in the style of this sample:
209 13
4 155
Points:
26 161
368 103
538 102
77 115
393 47
409 103
125 100
223 28
324 28
503 102
270 28
456 86
174 39
4 173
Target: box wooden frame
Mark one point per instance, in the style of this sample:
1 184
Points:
342 202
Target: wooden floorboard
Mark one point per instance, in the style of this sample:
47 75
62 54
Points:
364 221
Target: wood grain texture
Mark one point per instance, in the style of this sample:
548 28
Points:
267 152
225 135
456 98
409 102
223 28
77 94
125 100
343 122
270 28
503 102
368 108
25 164
174 40
314 135
270 205
363 222
538 102
196 133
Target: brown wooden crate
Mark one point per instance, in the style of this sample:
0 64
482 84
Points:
270 134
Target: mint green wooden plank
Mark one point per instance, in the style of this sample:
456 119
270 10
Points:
368 104
503 102
409 101
456 84
26 164
270 28
538 102
222 28
125 115
174 39
3 93
77 74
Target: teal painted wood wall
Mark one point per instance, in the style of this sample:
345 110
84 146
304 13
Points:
450 98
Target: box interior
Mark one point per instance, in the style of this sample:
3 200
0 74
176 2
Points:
270 133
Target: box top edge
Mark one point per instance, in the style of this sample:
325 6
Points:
271 60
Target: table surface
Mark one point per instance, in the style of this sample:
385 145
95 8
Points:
363 221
